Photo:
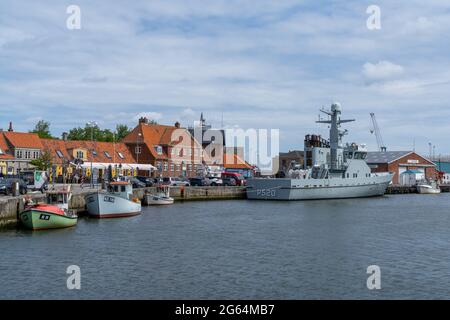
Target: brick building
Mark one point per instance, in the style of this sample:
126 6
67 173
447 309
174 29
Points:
399 162
171 149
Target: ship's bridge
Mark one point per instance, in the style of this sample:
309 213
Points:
355 151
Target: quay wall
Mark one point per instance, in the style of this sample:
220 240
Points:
398 189
11 206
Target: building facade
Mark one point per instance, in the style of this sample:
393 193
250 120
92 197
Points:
70 158
399 162
17 150
171 149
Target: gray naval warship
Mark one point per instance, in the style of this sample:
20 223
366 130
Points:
331 170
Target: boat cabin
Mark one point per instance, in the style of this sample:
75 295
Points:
60 198
122 189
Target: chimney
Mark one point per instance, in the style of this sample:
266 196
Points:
10 127
64 136
177 125
143 120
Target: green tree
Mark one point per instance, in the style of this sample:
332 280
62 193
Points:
103 135
44 162
77 134
122 131
42 129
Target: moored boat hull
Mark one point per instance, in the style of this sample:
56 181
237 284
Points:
301 189
102 205
41 220
425 189
152 200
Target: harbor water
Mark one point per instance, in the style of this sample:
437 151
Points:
241 250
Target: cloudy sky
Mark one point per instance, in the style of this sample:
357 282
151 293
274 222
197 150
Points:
259 64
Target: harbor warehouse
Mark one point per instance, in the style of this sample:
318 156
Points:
401 162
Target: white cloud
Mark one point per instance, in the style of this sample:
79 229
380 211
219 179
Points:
382 70
270 65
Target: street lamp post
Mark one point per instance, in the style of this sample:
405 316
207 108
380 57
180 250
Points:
92 125
138 151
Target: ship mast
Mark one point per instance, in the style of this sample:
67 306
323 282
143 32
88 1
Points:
336 135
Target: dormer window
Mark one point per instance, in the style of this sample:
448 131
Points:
80 154
120 155
159 150
94 153
107 154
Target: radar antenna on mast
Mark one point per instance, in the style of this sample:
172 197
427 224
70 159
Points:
377 132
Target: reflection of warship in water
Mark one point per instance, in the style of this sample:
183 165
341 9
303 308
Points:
332 170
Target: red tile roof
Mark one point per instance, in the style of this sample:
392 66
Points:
66 148
23 140
4 148
233 161
158 135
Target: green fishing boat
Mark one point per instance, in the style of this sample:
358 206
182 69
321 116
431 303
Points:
54 214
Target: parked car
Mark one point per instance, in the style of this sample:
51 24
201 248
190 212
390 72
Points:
175 182
240 180
3 186
136 183
199 182
146 180
6 185
228 181
215 181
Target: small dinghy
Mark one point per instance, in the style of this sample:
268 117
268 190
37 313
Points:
161 197
54 214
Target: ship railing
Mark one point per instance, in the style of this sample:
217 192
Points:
380 174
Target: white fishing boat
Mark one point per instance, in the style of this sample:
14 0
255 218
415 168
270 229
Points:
428 188
161 197
117 202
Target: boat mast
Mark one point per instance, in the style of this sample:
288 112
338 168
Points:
336 135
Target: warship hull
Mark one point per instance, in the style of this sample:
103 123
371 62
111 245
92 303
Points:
315 189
